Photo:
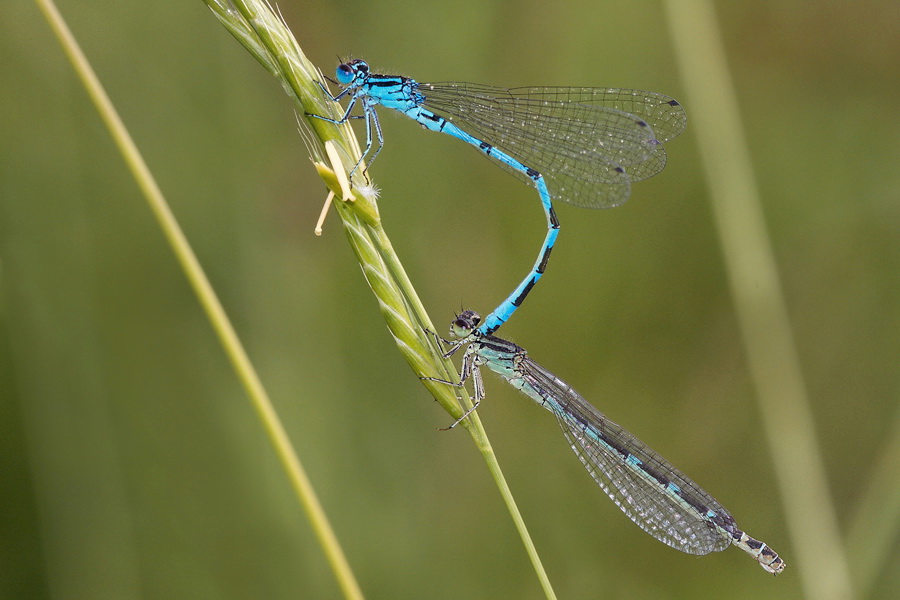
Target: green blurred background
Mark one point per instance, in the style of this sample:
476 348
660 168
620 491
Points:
132 463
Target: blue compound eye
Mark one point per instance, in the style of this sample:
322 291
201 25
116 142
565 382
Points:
345 73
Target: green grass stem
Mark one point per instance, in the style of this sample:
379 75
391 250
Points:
759 303
265 35
210 304
268 39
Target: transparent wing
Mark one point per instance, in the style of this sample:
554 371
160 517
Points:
651 491
589 143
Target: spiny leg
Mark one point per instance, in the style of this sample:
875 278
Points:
469 368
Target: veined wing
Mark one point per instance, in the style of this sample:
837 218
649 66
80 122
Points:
651 491
589 143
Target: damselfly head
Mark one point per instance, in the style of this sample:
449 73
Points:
464 323
350 70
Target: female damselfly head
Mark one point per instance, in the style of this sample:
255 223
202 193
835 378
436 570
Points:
465 323
352 69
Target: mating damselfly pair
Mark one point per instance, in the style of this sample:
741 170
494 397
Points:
584 146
